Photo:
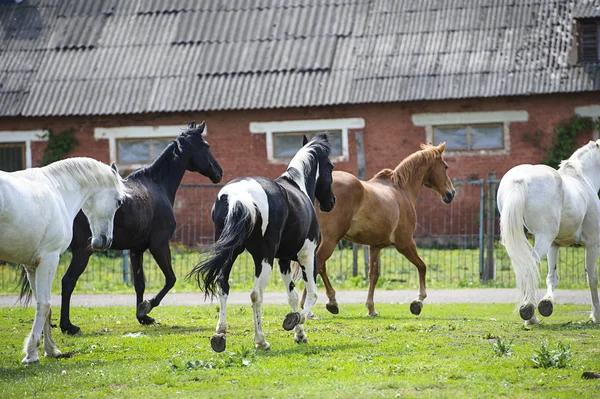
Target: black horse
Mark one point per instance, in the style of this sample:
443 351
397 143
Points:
271 219
145 221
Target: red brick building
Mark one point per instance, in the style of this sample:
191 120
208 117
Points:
127 76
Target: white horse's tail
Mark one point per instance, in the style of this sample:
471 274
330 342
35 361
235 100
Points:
513 238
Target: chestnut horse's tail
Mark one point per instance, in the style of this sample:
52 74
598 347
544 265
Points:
512 222
237 226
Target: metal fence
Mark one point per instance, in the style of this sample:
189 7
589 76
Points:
457 241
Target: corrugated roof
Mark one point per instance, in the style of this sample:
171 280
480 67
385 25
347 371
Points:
72 57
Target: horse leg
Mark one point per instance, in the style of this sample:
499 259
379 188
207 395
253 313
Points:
290 288
373 277
324 252
78 264
218 340
411 253
162 256
541 247
139 283
265 266
546 305
591 268
40 280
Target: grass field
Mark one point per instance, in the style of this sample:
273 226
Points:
446 268
450 351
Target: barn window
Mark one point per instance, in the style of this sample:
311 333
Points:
15 148
284 138
470 137
133 147
589 40
470 133
12 156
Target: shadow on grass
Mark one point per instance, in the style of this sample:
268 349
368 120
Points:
308 349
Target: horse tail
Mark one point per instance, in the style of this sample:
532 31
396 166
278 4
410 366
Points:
237 227
512 235
25 293
296 271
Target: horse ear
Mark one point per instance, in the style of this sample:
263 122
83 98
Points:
192 125
202 126
304 140
595 143
442 146
113 166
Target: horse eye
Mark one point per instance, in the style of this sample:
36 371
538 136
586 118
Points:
119 203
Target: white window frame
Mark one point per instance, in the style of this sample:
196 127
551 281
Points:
590 111
27 137
431 120
113 134
308 126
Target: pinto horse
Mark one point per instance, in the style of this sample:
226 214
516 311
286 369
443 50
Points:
37 208
145 221
560 208
271 219
381 212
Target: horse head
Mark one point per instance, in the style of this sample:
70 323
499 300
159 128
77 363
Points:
323 188
437 177
100 208
202 160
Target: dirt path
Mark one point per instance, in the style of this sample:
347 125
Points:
491 295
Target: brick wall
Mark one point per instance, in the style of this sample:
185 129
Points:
389 134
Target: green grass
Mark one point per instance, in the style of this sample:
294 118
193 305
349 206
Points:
447 352
446 268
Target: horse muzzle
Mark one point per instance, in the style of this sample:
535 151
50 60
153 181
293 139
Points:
327 207
449 196
101 243
217 175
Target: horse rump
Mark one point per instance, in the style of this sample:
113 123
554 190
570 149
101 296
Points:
236 225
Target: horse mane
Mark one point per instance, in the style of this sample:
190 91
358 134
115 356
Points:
575 162
75 173
319 146
405 170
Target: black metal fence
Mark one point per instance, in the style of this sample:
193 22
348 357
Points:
457 241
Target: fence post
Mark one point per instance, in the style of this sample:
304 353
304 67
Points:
125 258
481 221
360 160
491 212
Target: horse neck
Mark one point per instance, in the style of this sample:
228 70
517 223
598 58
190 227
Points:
305 182
168 169
411 180
74 200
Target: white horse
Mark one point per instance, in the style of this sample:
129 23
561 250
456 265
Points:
560 208
37 208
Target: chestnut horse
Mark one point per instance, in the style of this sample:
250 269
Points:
381 212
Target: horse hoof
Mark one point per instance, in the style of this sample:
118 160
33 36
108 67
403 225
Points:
71 330
527 311
291 321
545 307
332 308
373 313
264 346
143 309
27 360
217 342
146 320
56 354
416 307
301 340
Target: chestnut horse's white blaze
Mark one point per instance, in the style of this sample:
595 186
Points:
560 208
37 208
270 219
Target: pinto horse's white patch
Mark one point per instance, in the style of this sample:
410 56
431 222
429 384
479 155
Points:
249 193
301 162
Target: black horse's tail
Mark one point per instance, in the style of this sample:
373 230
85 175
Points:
239 222
25 293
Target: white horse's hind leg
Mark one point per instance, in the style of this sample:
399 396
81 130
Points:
256 296
542 245
591 268
546 305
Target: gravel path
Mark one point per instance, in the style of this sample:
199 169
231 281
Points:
490 295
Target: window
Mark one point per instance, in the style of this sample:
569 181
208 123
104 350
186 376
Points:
470 137
470 133
285 145
15 148
589 40
140 151
284 138
12 156
133 147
